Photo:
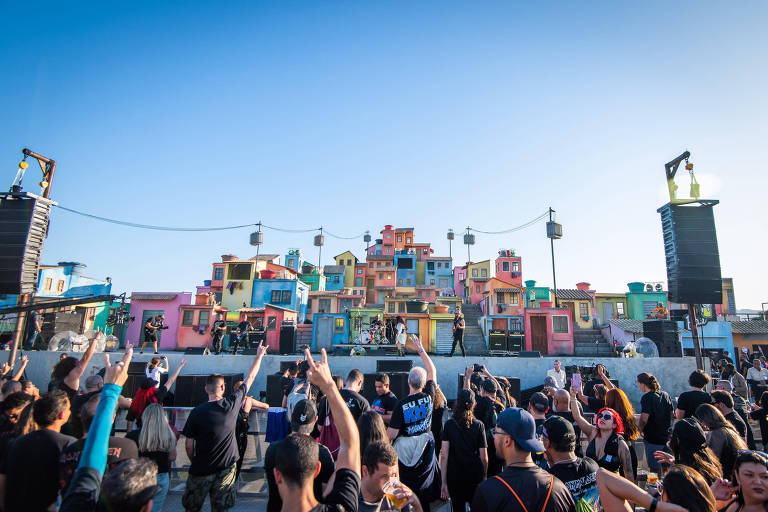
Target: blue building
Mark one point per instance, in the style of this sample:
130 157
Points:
66 280
438 272
712 335
405 262
286 293
329 330
294 259
334 277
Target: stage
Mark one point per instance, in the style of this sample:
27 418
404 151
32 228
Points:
671 372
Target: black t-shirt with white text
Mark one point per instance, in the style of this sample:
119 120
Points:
384 404
119 449
531 484
658 407
690 400
212 426
356 403
413 414
580 477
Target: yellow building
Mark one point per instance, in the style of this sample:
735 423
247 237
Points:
580 302
348 261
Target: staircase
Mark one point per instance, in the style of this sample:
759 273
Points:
590 343
474 341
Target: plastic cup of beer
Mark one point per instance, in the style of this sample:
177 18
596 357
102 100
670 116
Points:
653 478
390 490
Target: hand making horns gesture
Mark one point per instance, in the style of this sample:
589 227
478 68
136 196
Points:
319 373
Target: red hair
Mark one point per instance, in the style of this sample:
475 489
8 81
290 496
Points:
619 428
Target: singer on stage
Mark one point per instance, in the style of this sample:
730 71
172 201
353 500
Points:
218 330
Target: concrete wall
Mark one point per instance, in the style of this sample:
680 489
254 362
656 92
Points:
671 372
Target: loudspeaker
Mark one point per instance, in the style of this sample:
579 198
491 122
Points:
530 353
497 340
693 259
393 365
288 339
24 227
190 389
398 384
515 343
137 367
664 334
274 391
197 351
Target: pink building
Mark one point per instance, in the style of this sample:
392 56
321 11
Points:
509 267
145 305
195 322
459 279
549 330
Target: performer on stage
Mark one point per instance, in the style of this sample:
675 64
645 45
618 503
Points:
243 328
218 330
152 325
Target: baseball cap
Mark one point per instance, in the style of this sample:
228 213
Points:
539 401
549 382
489 386
557 429
522 427
304 413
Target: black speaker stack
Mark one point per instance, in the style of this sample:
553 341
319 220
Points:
398 384
693 259
288 338
393 365
23 228
190 389
509 342
664 334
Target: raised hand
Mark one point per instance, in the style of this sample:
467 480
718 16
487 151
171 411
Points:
107 364
262 350
723 490
117 374
319 373
182 363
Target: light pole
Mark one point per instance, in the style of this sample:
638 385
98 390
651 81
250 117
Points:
469 240
554 231
450 242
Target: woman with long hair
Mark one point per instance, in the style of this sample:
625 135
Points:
682 489
750 483
68 370
155 368
439 406
372 429
618 400
689 447
157 441
606 443
655 417
464 456
722 438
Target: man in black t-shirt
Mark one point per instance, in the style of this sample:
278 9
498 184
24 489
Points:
688 402
218 330
655 422
210 443
724 403
31 469
521 482
356 402
297 456
385 401
34 329
578 474
120 448
303 421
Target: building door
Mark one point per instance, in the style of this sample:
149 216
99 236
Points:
572 308
324 333
444 337
539 333
607 311
146 315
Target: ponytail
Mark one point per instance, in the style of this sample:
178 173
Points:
650 381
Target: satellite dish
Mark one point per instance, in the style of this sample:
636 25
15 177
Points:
659 287
649 287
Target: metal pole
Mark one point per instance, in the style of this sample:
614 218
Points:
552 251
19 331
695 337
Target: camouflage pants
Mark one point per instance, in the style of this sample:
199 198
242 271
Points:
220 486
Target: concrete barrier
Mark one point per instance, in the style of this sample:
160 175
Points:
671 372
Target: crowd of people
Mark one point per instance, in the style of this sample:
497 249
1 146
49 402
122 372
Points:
573 445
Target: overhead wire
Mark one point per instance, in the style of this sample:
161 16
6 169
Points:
512 230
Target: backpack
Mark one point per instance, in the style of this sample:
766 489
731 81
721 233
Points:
329 436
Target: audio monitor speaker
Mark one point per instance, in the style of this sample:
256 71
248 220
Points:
394 365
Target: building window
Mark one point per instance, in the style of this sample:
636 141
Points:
407 239
336 279
324 306
281 297
391 307
516 324
381 276
560 324
401 307
515 299
341 262
188 317
271 323
339 325
474 272
484 272
499 298
619 308
431 265
218 273
420 294
583 309
358 281
204 318
389 276
239 271
505 266
48 284
408 282
515 266
399 282
478 288
60 285
399 238
431 282
309 304
387 236
359 271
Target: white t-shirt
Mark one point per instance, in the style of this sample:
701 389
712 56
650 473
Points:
558 376
154 373
759 375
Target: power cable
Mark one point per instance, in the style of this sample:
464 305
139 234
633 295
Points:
511 230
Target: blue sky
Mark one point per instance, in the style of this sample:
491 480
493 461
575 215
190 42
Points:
352 115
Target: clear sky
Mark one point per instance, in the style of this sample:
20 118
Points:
352 115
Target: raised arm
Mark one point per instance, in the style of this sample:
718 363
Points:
444 494
20 371
583 424
467 377
488 374
349 451
255 366
616 491
73 378
428 364
604 378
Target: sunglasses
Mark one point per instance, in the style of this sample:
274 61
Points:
606 416
13 416
497 431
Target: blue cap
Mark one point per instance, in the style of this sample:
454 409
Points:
522 427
